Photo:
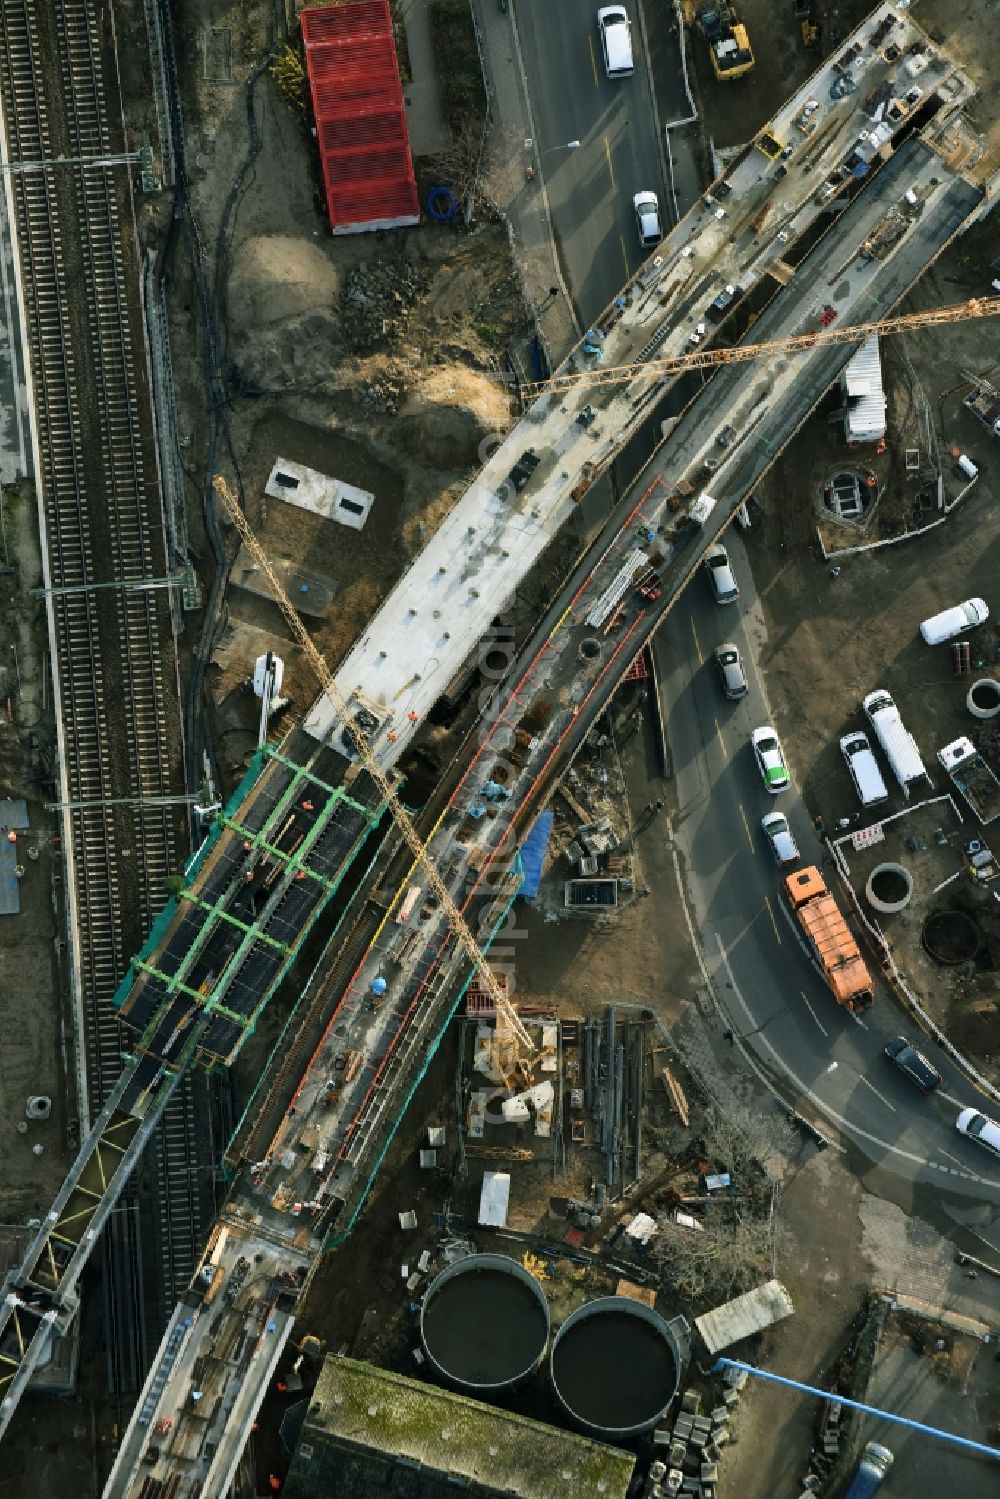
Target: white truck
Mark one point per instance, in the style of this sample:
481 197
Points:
896 740
971 775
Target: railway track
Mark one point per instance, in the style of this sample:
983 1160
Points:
114 659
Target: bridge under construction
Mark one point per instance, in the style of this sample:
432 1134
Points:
288 837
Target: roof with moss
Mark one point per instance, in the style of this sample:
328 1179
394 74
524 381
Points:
369 1429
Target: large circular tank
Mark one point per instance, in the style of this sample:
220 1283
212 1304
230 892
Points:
615 1367
485 1324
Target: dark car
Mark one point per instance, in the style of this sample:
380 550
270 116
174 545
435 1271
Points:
915 1065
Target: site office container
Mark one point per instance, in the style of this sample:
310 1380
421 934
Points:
896 740
832 942
361 130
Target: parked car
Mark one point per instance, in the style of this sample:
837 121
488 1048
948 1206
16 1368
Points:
976 1126
770 759
952 622
913 1064
779 836
727 659
647 218
721 575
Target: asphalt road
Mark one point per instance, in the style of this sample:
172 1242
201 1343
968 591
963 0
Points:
772 996
590 189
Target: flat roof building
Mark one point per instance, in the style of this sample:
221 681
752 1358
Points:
369 1431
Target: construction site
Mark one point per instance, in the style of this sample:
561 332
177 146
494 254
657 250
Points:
408 1007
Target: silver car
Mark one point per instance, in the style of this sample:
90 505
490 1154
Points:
734 682
720 573
779 836
647 218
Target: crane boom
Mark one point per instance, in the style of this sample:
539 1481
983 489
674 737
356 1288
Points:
700 359
418 848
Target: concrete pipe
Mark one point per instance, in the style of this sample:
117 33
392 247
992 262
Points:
590 648
889 888
38 1106
983 700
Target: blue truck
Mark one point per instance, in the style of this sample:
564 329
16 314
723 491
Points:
875 1463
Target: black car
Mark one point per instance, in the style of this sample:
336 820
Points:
913 1063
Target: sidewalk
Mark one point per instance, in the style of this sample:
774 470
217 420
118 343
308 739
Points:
528 208
429 134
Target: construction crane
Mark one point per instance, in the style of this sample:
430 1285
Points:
700 359
511 1021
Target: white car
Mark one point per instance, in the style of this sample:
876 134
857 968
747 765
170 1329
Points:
976 1126
770 759
779 836
953 621
647 218
720 575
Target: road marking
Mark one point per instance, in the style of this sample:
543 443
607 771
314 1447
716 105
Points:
697 643
948 1098
813 1013
628 269
593 61
857 1019
722 744
611 170
742 813
882 1096
770 912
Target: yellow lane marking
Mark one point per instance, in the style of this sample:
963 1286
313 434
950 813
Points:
876 1092
611 170
950 1157
813 1014
628 269
745 823
770 912
561 620
697 644
593 61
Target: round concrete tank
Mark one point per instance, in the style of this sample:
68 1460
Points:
889 888
983 700
615 1367
484 1324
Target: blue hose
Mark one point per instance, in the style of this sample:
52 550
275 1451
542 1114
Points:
442 205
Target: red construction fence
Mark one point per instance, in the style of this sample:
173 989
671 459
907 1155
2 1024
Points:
357 101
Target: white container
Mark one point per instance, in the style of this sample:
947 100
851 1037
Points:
968 468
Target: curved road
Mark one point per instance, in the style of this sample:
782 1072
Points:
590 189
773 996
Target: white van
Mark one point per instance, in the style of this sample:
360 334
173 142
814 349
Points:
865 774
976 1126
616 40
954 621
897 741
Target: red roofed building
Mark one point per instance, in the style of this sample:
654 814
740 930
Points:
357 101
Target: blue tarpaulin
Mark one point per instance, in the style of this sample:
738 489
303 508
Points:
533 854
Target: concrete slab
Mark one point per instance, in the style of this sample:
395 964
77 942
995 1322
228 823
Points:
330 499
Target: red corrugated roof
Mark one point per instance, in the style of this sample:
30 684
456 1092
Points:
357 102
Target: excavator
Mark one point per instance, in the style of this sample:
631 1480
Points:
728 41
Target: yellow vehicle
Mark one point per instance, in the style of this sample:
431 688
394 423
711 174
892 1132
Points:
732 55
770 145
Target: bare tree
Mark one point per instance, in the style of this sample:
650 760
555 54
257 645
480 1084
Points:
484 164
737 1244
